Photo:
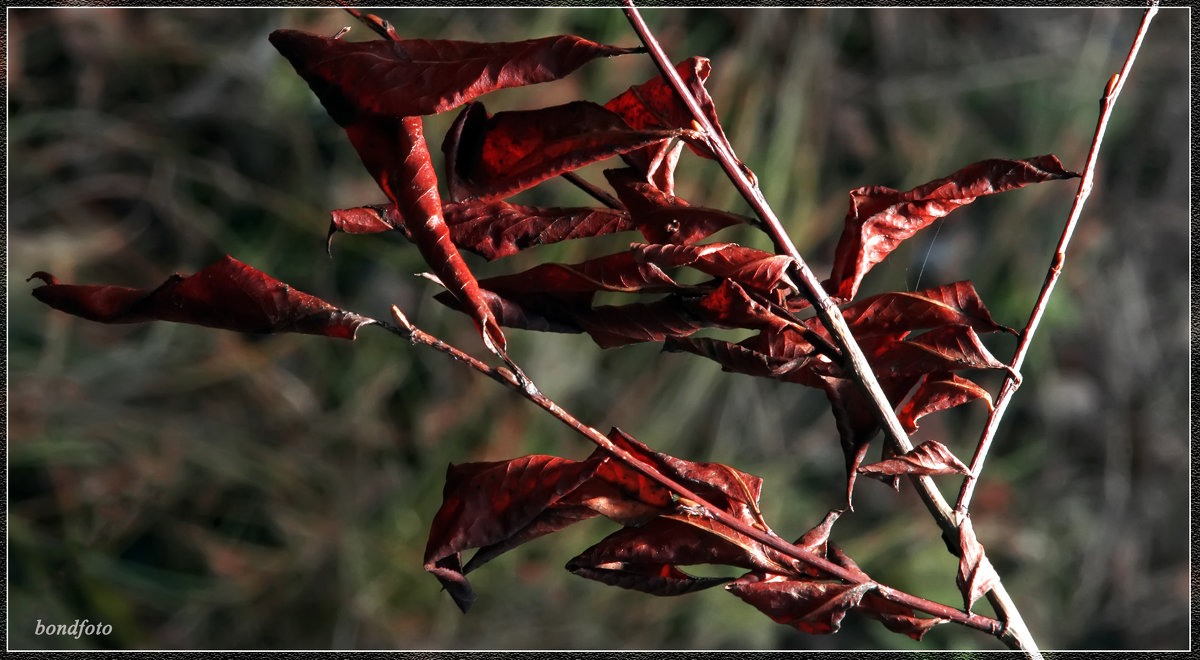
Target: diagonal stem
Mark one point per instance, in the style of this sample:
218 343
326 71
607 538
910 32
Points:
1111 91
529 391
1015 635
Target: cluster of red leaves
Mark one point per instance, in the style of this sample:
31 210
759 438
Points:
917 342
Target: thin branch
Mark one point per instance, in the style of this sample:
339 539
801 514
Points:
1015 635
1111 91
531 392
594 191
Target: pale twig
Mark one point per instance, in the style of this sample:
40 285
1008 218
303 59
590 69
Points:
1015 635
527 389
1111 91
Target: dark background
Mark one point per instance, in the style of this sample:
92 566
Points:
196 488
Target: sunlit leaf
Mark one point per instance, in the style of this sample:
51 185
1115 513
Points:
228 294
881 218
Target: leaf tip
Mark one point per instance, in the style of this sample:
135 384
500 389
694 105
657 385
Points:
45 277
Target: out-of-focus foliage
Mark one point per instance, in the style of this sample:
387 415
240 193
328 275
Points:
196 488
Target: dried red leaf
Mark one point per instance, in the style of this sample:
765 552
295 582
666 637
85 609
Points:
880 218
753 269
948 348
664 218
493 157
498 229
809 606
491 229
618 325
939 391
929 457
393 150
228 295
896 617
425 76
488 503
647 558
659 580
976 576
654 103
735 357
614 272
900 311
731 306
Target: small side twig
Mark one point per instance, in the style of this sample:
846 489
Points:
531 392
1111 91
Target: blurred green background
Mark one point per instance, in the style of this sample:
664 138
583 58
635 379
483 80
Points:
196 488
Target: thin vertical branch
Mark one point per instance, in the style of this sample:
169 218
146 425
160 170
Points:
1015 635
1111 91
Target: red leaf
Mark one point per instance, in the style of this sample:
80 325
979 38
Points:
647 558
663 218
654 104
498 229
393 150
896 617
735 357
422 76
951 304
732 490
730 306
939 391
493 157
492 229
614 272
488 503
657 579
948 348
976 576
880 218
930 457
813 607
618 325
753 269
228 295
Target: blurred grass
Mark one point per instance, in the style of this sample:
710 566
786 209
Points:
204 489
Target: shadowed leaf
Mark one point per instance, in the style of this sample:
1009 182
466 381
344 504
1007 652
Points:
498 229
491 229
228 295
663 218
425 76
813 607
493 157
753 269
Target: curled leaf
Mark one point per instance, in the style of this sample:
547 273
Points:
930 457
664 218
809 606
976 576
881 218
753 269
493 157
899 311
939 391
654 103
410 77
228 295
498 229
